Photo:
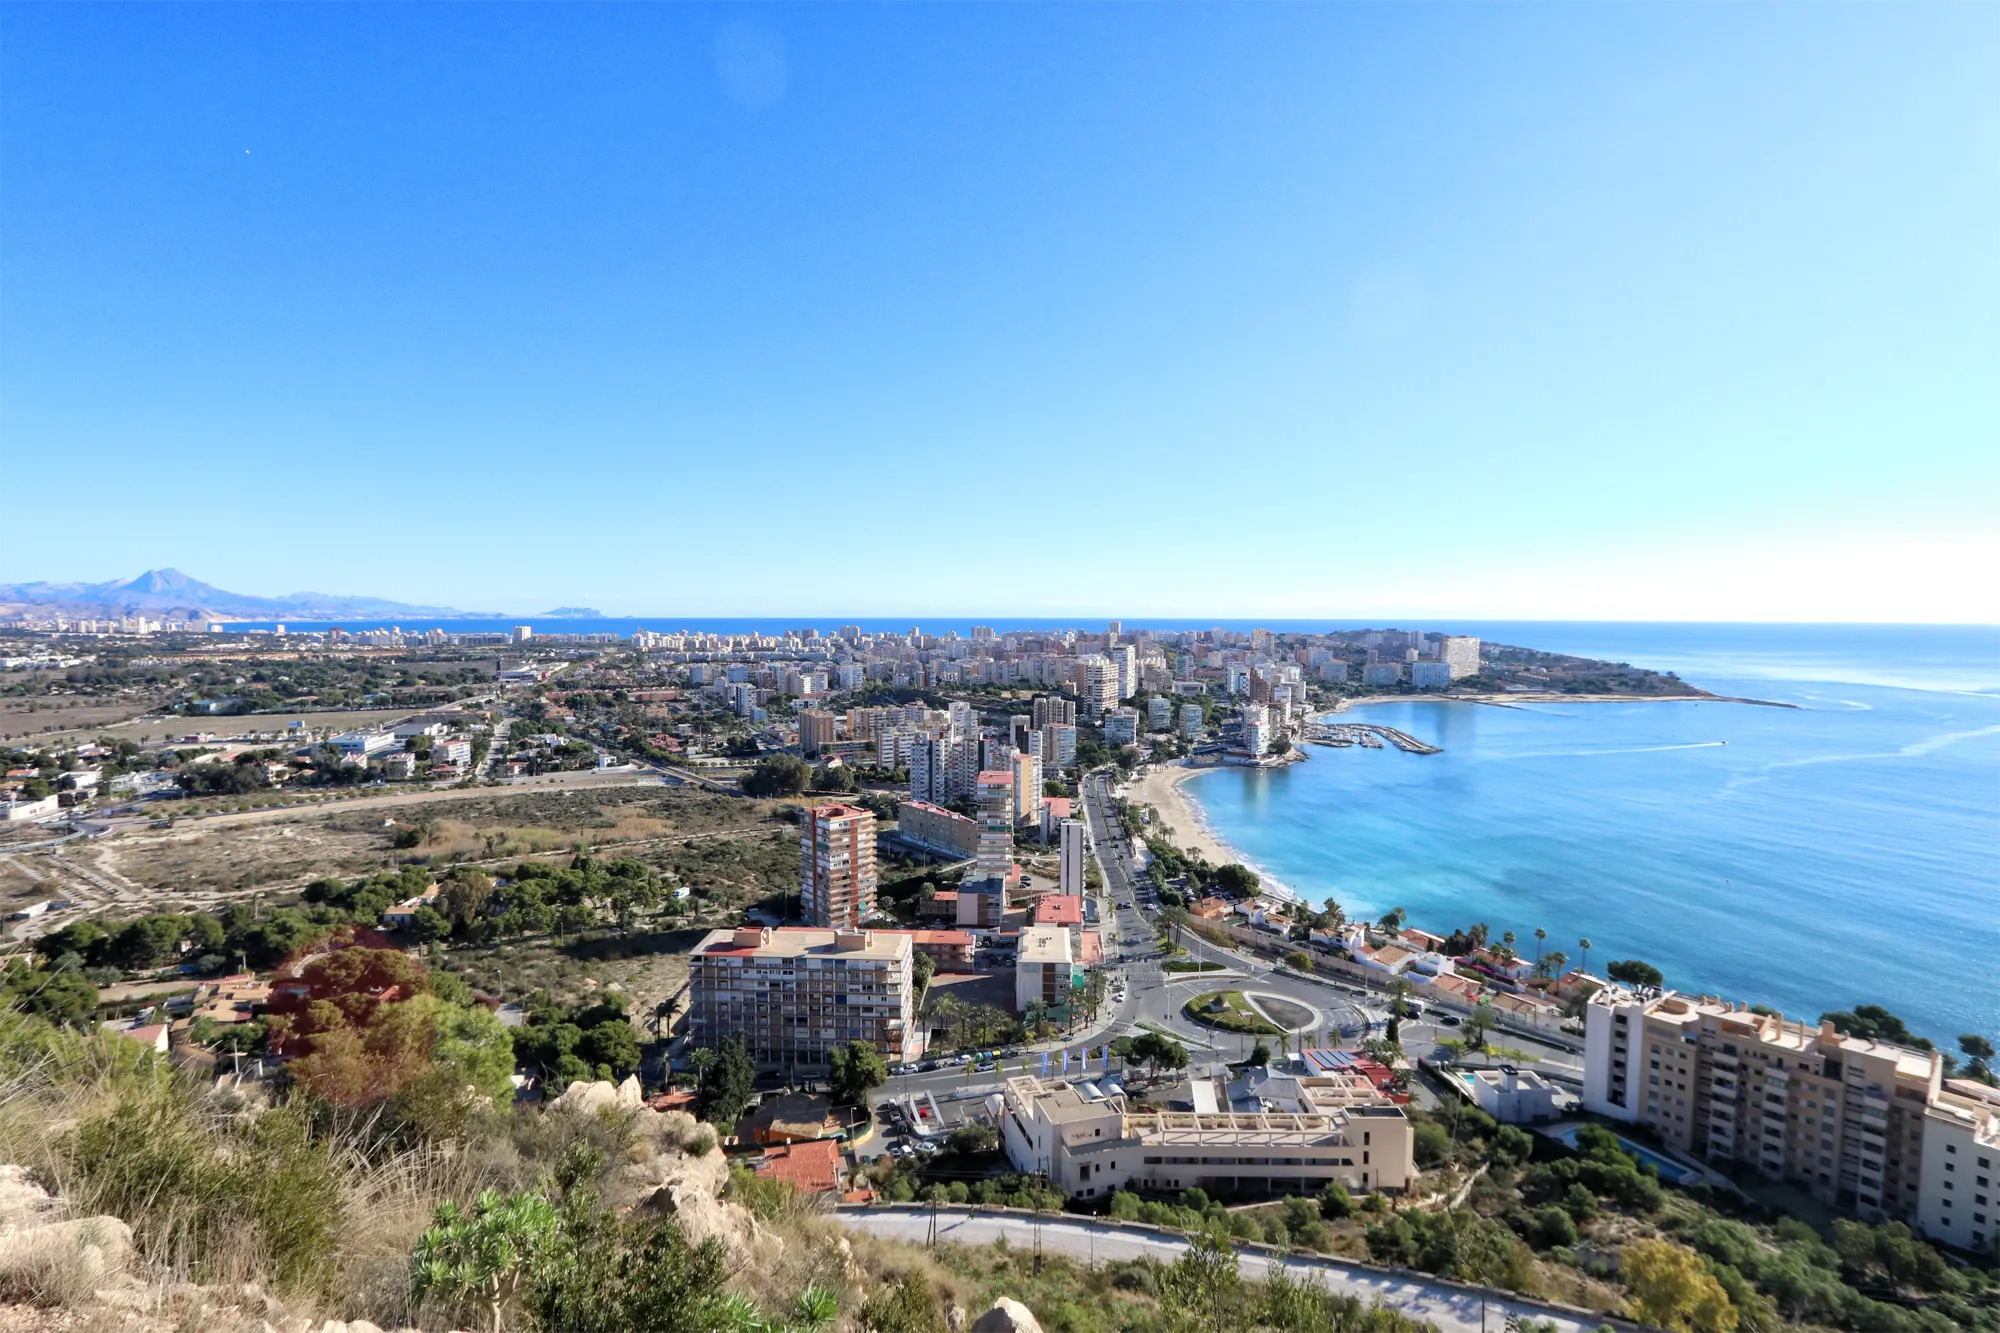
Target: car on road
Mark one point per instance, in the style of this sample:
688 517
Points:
1449 1020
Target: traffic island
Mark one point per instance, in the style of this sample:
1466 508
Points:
1230 1012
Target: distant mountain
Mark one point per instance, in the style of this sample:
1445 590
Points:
575 613
169 593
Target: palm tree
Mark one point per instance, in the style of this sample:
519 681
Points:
1508 940
1540 935
699 1059
1555 960
1584 944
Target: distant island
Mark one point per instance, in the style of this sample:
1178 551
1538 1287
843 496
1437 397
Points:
575 613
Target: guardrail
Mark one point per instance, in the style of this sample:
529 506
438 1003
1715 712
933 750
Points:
1270 1253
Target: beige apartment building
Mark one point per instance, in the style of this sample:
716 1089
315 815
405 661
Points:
796 995
837 865
1843 1117
1306 1132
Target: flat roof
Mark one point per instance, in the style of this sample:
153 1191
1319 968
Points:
798 941
1044 944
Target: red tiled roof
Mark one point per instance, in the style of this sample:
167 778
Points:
811 1167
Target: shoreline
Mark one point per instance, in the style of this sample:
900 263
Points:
1187 827
1544 697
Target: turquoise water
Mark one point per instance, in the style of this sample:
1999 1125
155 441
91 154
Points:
1840 852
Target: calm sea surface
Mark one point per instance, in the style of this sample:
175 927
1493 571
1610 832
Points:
1840 852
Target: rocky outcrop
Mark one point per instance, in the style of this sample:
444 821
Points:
1007 1316
597 1095
42 1252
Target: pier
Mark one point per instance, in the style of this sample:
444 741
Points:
1366 734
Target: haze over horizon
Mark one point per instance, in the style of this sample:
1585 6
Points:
1476 312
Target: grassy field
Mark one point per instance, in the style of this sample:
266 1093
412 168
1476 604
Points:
1234 1015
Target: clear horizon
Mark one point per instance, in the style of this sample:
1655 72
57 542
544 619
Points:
1483 312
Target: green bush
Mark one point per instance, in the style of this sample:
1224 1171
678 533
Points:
210 1190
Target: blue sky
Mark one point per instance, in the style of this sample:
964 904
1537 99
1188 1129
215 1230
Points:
1503 311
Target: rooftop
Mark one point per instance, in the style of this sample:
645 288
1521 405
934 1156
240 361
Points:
1044 944
1057 909
804 941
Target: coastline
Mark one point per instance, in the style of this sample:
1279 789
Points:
1544 697
1185 824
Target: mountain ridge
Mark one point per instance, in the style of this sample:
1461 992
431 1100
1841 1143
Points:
170 590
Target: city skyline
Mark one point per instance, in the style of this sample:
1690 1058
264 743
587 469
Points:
1626 313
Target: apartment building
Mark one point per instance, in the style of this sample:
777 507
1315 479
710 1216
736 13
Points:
1194 719
1028 796
995 854
1957 1201
1059 745
1121 726
1044 967
1304 1132
937 829
1160 713
1051 710
1256 729
837 865
1096 685
942 768
1460 652
1842 1117
815 731
797 995
1430 675
1075 848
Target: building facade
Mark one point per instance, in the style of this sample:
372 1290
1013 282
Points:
837 865
1842 1117
937 829
1075 848
798 995
1460 652
1304 1133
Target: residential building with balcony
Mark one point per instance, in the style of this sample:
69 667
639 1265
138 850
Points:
837 865
799 994
1841 1117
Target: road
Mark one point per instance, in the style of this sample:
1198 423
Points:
1453 1309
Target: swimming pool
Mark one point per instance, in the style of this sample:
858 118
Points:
1667 1167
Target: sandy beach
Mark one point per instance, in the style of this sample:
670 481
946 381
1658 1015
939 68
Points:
1161 789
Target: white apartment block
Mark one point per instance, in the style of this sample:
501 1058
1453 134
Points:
1193 720
1430 675
1121 726
1305 1133
799 994
1957 1201
1059 745
837 865
1096 685
1053 710
1256 728
1460 653
1160 713
1044 967
1842 1117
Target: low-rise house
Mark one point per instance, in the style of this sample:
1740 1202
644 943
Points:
404 913
1211 909
1513 1096
810 1167
791 1117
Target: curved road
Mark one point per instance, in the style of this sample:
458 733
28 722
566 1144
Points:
1453 1309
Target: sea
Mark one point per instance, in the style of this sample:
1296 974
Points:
1843 849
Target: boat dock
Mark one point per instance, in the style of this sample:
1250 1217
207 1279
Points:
1367 734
